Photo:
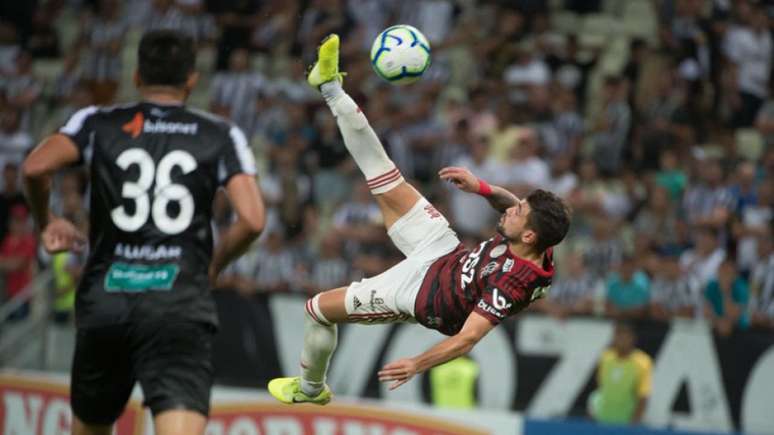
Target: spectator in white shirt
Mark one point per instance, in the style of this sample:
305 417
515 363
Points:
708 202
270 268
702 262
359 221
103 37
673 293
563 179
235 91
328 268
469 213
526 171
527 71
754 221
748 47
14 142
574 291
21 88
611 127
762 283
186 16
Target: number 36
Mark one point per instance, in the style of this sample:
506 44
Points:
164 193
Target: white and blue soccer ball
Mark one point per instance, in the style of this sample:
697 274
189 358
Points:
400 54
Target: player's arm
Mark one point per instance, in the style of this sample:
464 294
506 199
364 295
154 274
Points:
247 201
475 328
499 198
644 387
53 153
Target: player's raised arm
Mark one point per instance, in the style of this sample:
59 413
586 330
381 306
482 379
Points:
401 371
500 199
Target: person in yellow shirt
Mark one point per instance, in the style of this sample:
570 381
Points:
453 384
624 380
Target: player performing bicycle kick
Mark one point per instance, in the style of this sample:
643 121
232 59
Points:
440 284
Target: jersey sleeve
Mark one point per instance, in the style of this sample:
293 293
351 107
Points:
237 157
645 384
80 130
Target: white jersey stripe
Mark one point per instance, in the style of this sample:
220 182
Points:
243 152
75 124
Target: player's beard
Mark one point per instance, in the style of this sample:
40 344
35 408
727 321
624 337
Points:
501 229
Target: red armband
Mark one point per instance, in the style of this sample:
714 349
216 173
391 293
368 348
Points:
484 189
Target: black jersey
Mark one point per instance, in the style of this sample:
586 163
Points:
154 171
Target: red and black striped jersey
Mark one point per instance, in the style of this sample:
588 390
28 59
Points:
490 280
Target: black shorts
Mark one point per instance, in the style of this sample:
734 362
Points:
172 361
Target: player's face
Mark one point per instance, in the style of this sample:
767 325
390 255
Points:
513 222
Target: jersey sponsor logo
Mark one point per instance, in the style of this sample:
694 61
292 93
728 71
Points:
139 124
469 268
490 309
508 265
498 251
146 252
138 278
134 127
170 127
356 302
490 268
500 302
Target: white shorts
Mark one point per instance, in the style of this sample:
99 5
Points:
422 235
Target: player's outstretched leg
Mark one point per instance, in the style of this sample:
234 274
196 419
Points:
320 336
394 196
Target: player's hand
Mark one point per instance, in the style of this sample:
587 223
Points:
61 235
400 371
462 178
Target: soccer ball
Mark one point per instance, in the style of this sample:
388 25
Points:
400 54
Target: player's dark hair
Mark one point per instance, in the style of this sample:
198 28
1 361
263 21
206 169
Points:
549 218
165 58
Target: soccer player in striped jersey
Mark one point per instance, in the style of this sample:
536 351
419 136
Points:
440 284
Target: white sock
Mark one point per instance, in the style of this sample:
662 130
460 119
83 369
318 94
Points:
320 338
361 140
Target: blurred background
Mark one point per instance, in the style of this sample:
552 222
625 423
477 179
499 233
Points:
654 119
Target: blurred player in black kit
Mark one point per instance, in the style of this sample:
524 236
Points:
144 312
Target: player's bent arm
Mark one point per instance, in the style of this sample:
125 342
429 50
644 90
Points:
501 199
475 328
247 201
54 152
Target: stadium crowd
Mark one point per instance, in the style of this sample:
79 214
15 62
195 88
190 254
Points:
653 119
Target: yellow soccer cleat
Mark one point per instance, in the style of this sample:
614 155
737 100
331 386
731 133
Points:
288 390
326 68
